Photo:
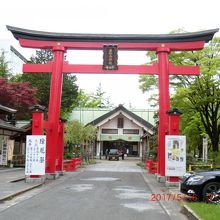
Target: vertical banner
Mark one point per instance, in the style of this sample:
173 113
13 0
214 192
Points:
35 155
4 157
10 144
205 149
175 155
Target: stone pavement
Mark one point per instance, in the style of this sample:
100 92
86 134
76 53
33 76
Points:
12 183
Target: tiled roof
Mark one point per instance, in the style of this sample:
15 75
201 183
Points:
122 108
6 109
6 126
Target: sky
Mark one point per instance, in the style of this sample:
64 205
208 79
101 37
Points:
111 17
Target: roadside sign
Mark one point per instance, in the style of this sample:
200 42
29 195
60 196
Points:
35 155
4 153
175 151
205 149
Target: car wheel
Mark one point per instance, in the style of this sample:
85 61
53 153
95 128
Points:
210 192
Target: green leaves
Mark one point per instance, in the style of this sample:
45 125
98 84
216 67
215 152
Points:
76 133
97 100
198 97
4 66
41 81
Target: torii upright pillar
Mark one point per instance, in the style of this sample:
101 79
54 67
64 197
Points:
164 103
54 111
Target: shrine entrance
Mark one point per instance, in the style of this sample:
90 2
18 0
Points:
129 148
59 43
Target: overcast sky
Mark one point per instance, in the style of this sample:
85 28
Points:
109 16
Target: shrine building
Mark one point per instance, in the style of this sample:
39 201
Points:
123 130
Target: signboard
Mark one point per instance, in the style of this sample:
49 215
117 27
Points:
35 155
205 149
175 155
110 57
4 156
10 144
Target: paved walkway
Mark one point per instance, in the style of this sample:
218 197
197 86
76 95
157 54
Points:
12 183
121 186
115 166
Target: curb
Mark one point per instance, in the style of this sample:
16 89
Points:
16 180
189 213
10 170
11 196
185 210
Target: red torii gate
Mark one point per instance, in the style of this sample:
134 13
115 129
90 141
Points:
60 42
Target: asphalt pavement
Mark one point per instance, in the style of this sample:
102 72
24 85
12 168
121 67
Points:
12 183
106 190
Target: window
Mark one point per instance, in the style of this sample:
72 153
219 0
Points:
109 131
130 131
120 122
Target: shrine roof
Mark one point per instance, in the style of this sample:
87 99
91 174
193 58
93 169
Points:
122 109
20 33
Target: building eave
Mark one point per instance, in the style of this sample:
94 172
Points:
104 118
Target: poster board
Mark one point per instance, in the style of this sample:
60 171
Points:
35 155
175 155
4 153
10 144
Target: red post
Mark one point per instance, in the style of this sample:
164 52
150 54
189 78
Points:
174 129
164 104
60 149
174 121
54 108
37 120
37 124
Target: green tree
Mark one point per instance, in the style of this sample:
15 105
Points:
191 124
89 133
203 92
199 94
42 82
15 94
73 133
76 133
97 100
4 66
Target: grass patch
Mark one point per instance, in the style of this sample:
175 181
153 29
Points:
90 162
205 211
141 164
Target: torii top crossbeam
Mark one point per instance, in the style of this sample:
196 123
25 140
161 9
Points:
147 42
124 41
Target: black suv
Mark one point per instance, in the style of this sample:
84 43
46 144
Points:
113 154
204 185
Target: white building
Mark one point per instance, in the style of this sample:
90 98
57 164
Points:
123 130
13 57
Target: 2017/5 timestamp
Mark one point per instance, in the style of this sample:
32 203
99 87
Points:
156 197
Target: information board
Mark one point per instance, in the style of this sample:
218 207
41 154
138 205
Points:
175 151
4 150
35 155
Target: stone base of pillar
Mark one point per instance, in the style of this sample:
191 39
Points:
160 179
52 176
172 184
39 179
61 173
172 181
